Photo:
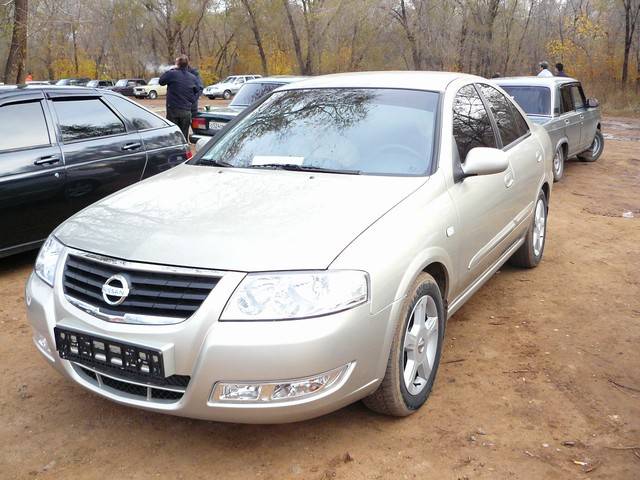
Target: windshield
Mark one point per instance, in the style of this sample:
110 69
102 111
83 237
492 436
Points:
64 81
374 131
154 81
121 83
93 83
533 100
252 92
228 80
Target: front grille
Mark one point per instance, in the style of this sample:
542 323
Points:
151 292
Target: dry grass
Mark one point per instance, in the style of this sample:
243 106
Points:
615 100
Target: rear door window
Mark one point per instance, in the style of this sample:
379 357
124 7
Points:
471 123
577 96
503 113
139 117
82 119
23 126
566 99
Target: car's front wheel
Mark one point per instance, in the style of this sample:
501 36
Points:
211 97
530 252
558 163
595 150
153 95
415 352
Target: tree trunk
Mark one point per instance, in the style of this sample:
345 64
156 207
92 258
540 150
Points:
295 38
256 35
631 13
14 70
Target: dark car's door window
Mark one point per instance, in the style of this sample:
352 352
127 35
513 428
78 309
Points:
23 126
578 97
566 99
81 119
503 113
140 118
471 124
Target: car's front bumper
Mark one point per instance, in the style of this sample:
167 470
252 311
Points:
140 94
211 351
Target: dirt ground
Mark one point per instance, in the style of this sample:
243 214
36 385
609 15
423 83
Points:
540 376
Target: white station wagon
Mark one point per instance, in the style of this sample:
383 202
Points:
307 257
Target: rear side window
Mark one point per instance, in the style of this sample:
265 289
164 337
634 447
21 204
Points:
503 113
22 125
81 119
533 100
471 124
521 123
578 96
140 118
252 92
566 100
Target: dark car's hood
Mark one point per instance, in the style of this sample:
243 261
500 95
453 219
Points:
236 219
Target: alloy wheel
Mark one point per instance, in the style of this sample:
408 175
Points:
420 345
539 227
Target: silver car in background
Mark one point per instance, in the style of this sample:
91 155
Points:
560 105
307 258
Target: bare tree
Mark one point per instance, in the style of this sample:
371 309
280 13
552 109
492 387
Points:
14 69
256 35
631 12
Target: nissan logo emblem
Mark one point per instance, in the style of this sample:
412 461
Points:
115 290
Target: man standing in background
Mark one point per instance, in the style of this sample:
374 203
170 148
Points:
544 70
183 89
560 70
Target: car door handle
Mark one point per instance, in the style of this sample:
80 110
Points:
508 180
47 160
131 146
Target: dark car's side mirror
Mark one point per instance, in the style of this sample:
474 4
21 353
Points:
593 103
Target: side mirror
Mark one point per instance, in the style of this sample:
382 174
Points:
593 103
201 143
485 161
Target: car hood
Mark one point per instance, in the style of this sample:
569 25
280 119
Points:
236 219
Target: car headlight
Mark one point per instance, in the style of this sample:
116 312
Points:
291 295
48 260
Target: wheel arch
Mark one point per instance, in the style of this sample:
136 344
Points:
547 191
441 275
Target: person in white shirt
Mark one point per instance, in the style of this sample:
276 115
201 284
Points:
544 70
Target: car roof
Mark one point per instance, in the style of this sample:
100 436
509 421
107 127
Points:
414 80
540 81
49 90
280 79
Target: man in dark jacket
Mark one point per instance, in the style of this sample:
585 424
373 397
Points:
183 89
196 73
560 70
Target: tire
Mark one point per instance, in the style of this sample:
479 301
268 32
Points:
394 396
226 95
211 97
530 252
153 95
558 164
595 150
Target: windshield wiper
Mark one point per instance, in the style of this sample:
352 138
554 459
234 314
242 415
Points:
214 163
304 168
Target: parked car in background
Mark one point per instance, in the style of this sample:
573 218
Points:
572 120
228 87
125 86
38 82
151 90
100 83
63 148
207 123
307 258
72 82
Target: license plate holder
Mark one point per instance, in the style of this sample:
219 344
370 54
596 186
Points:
110 356
213 125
